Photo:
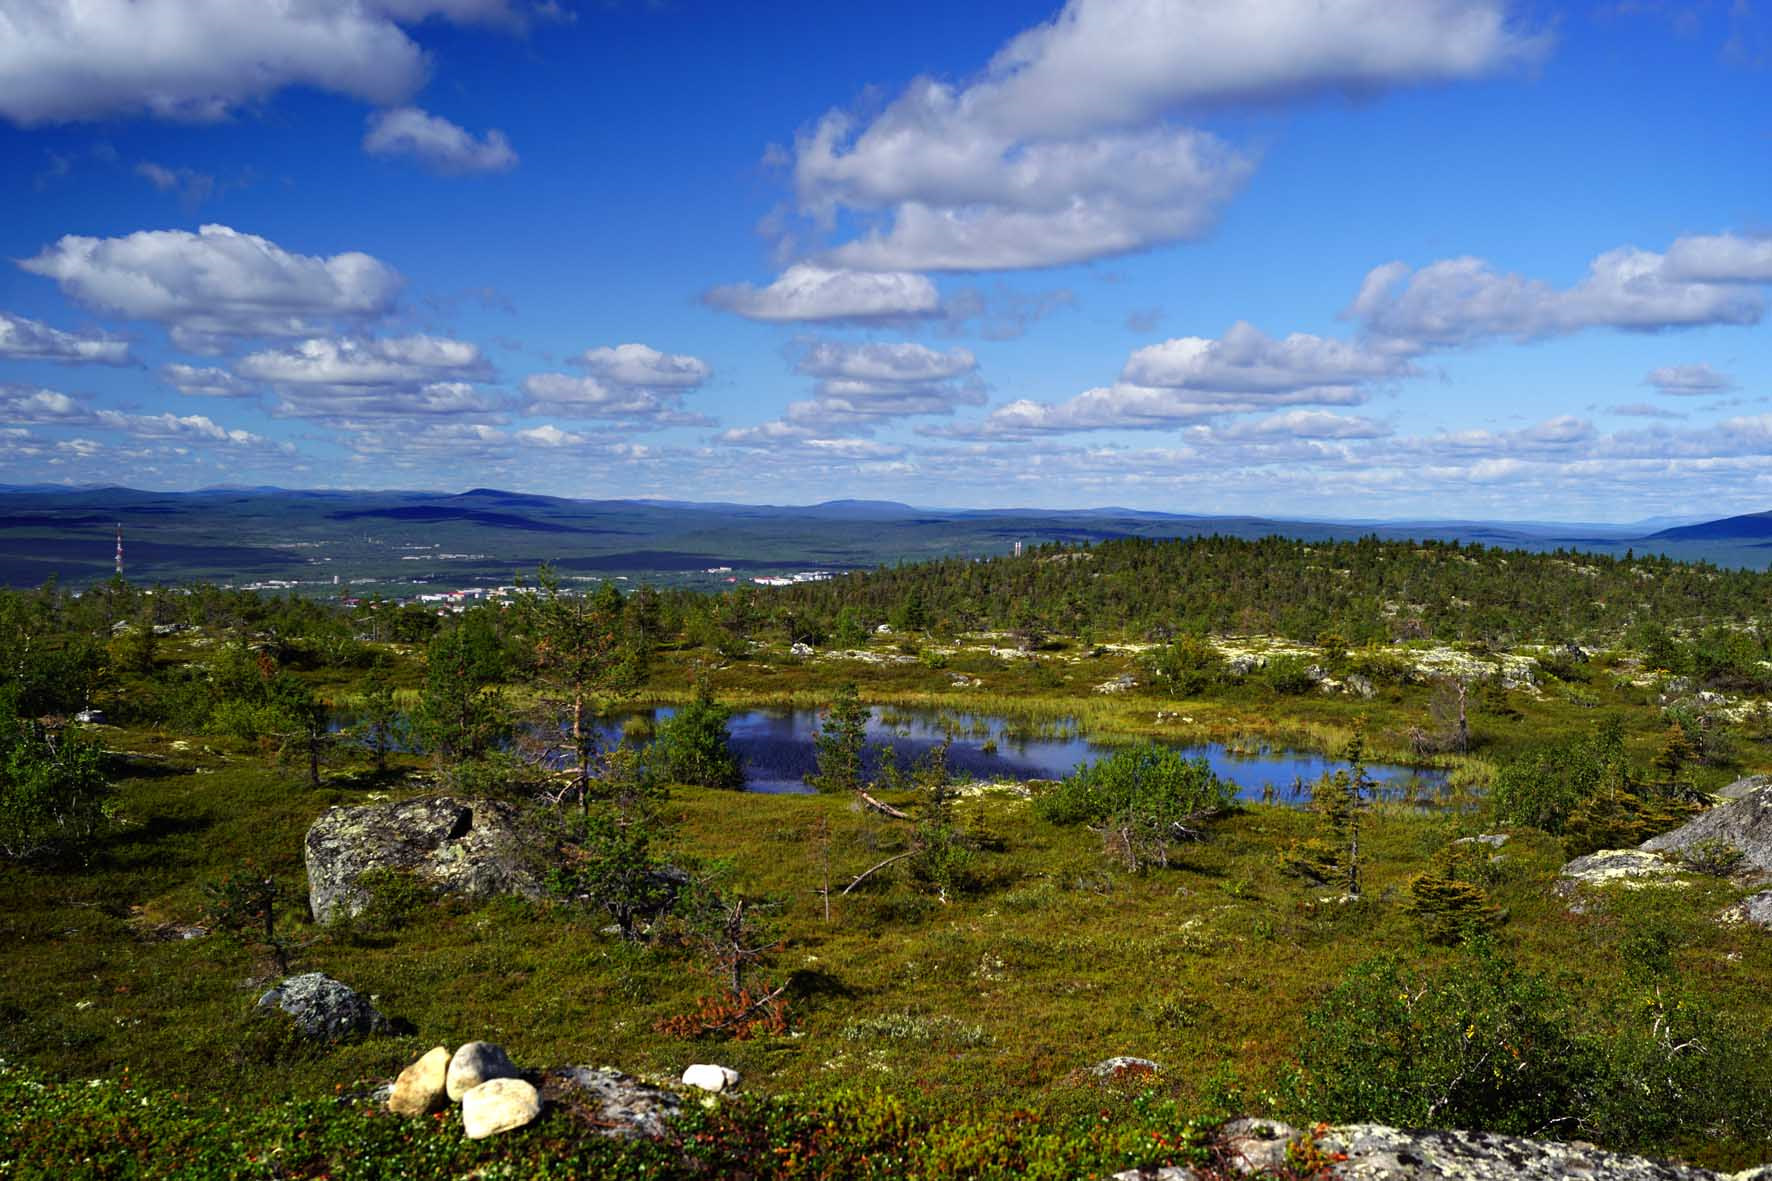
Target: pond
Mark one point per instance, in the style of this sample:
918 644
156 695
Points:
776 748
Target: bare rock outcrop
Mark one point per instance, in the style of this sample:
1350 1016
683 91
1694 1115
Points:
1745 823
474 848
1373 1152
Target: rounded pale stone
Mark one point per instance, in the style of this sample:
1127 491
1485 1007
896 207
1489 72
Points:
709 1077
421 1087
476 1063
499 1106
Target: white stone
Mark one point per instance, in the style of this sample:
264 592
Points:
477 1063
422 1087
499 1106
709 1077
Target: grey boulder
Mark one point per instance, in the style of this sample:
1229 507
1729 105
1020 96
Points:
477 1063
475 848
323 1008
1745 823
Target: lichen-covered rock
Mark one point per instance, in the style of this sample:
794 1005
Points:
477 1063
613 1103
1755 909
1745 823
499 1105
1378 1153
1373 1152
421 1087
475 848
1256 1145
323 1008
1631 867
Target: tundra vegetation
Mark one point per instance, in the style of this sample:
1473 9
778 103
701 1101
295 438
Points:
914 975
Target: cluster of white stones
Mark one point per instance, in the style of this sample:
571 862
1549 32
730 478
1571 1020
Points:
480 1076
494 1096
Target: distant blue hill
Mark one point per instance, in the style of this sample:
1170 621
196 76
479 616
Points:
1752 526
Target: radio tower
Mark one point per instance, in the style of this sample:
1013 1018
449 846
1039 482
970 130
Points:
119 549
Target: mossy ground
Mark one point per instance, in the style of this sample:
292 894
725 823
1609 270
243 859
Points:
1000 999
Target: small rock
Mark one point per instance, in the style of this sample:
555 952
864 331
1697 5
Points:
1124 1065
323 1008
1166 1173
477 1063
1494 840
1256 1145
422 1087
801 649
710 1077
1360 685
498 1105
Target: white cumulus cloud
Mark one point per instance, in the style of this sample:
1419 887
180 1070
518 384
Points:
217 283
1461 301
808 292
336 378
1065 149
203 382
66 60
1689 380
437 143
644 367
30 340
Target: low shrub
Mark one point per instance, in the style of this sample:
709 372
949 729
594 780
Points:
1141 799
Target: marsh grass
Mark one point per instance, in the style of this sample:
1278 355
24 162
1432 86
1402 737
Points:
997 999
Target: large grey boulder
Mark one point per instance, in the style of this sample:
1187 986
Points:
475 848
1373 1152
1745 823
323 1008
613 1103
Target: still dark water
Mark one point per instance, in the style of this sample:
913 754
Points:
775 746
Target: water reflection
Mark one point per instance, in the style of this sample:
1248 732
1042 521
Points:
776 748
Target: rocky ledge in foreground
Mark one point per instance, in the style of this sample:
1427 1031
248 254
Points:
1373 1152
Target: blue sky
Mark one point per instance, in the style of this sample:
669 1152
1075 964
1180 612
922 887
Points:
1453 258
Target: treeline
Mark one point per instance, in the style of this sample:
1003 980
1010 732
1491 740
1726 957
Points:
1366 591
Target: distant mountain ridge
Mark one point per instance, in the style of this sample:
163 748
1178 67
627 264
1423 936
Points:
1751 525
489 535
